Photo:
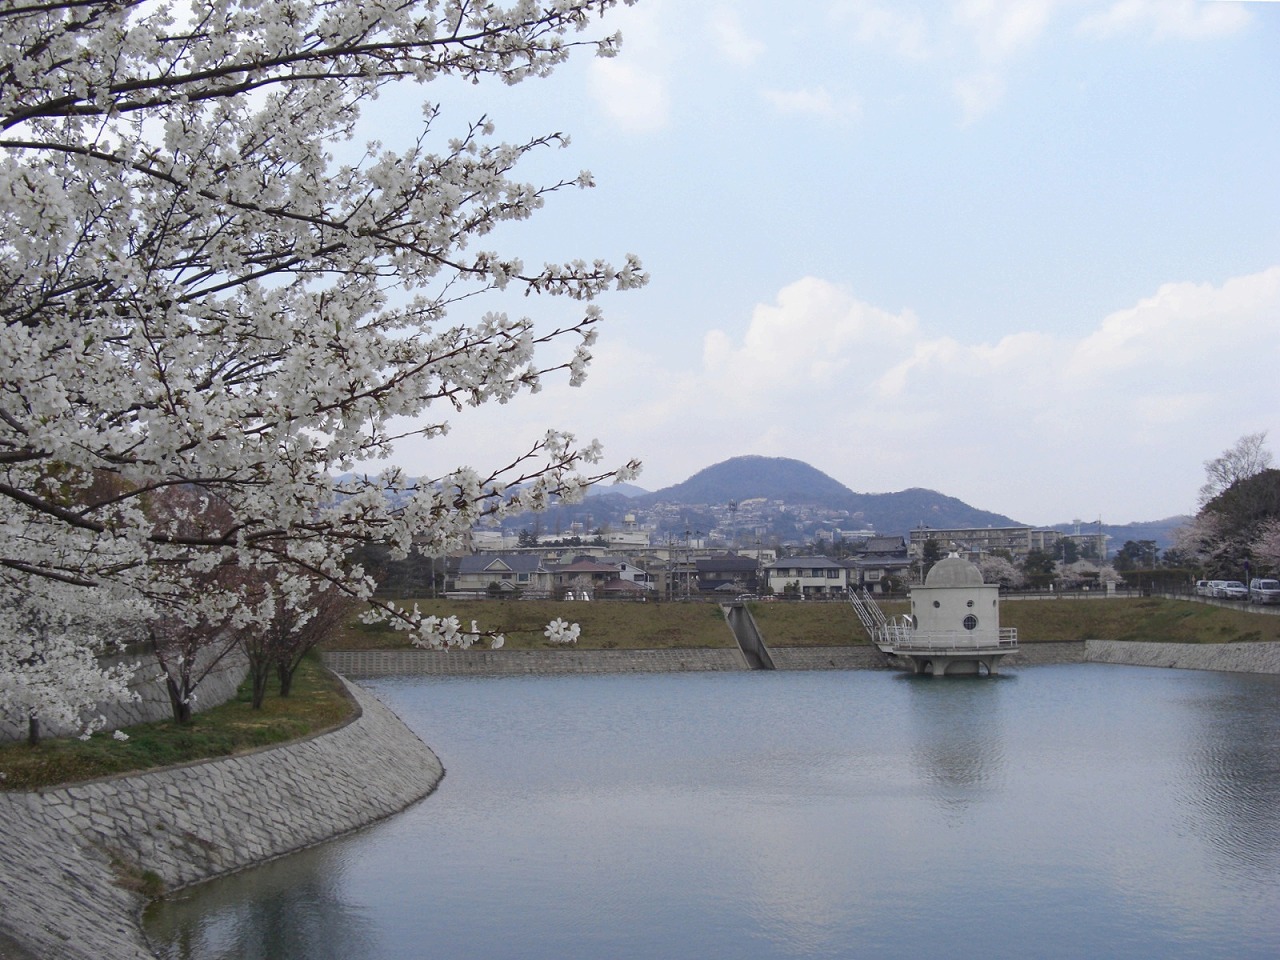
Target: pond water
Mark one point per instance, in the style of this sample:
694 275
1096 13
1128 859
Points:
1065 811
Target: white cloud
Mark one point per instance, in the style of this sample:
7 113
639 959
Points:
1038 426
1035 425
731 40
633 89
979 93
815 334
904 33
815 101
633 97
1181 19
1002 29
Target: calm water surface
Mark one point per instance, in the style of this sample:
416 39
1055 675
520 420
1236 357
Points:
1073 811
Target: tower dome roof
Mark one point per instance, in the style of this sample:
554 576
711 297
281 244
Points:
953 572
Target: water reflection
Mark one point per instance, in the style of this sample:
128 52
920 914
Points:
1062 812
288 908
957 726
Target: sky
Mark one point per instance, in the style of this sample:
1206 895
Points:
1025 253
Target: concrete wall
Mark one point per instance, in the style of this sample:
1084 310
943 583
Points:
385 663
61 850
1228 657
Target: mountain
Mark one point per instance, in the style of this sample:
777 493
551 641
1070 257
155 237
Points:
628 490
798 484
746 478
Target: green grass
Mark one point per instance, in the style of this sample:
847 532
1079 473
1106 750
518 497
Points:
318 702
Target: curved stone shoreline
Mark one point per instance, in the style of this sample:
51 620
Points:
63 852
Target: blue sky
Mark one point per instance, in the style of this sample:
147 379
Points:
1025 253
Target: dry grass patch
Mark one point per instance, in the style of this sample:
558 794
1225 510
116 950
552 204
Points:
1151 619
790 623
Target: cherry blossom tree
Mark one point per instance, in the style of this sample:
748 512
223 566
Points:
1266 548
196 294
1001 570
50 672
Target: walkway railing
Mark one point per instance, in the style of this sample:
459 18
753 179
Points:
869 613
905 640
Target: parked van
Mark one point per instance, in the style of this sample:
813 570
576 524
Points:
1202 588
1264 591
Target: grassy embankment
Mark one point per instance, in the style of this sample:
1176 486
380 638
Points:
318 702
646 626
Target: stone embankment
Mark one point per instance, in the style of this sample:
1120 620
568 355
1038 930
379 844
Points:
1227 657
68 855
360 664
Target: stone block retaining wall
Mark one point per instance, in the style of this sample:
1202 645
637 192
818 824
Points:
60 850
486 663
1228 657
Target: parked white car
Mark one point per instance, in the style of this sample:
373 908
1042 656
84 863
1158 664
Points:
1233 590
1202 588
1264 591
1214 589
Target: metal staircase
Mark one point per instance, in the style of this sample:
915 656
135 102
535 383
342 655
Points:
871 617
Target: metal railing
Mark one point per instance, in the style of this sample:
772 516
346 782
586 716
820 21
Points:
904 639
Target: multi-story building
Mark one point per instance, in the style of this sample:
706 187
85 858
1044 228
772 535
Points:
974 542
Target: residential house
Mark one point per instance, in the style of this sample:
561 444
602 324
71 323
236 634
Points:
807 576
508 574
602 577
881 562
727 573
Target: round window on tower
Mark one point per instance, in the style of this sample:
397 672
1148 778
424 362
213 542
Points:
937 603
971 622
969 604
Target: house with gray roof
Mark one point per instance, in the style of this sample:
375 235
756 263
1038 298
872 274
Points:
508 573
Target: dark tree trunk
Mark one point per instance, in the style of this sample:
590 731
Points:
180 704
33 730
259 671
284 671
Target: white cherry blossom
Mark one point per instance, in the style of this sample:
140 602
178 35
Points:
196 296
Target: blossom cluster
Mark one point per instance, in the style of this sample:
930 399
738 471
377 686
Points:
205 318
560 631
